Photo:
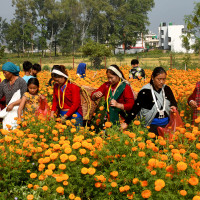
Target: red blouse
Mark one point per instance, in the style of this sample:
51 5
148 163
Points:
125 98
192 96
72 99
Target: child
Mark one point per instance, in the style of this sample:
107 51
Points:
27 67
36 68
30 100
136 72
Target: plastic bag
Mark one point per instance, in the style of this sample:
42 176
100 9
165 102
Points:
43 108
174 122
9 117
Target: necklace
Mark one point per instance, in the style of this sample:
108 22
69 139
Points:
63 96
108 95
161 112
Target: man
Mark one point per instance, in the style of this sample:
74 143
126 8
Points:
137 72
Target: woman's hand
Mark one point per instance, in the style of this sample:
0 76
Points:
173 109
193 104
52 114
124 126
97 95
114 103
10 107
42 97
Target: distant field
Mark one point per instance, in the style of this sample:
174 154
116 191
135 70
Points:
146 60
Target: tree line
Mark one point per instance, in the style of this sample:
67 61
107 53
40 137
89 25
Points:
69 24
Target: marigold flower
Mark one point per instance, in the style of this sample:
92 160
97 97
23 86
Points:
82 151
113 184
85 160
135 180
62 166
91 171
72 158
196 197
181 166
45 188
183 192
141 154
60 190
30 197
136 122
33 175
146 194
160 182
114 173
77 198
158 188
193 181
108 124
51 166
84 170
177 157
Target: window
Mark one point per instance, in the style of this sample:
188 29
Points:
169 39
162 32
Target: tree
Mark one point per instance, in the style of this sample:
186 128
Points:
96 52
3 29
127 20
193 25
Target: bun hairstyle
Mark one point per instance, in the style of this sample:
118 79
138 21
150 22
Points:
157 71
113 73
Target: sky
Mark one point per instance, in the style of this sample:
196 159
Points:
164 11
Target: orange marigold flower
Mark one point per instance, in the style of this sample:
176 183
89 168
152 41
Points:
91 171
113 184
141 154
126 187
30 197
62 166
153 172
85 160
135 180
158 188
72 158
60 190
77 198
33 175
160 182
144 183
51 166
177 157
82 151
84 170
146 194
183 192
136 122
121 189
181 166
114 173
45 188
198 145
193 180
108 124
196 198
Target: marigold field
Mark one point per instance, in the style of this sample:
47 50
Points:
45 159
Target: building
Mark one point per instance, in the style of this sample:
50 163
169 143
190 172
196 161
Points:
170 38
151 40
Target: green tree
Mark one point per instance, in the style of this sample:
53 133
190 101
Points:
96 52
193 25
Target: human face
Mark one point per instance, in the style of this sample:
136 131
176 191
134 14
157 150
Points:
33 89
59 80
159 81
34 72
8 75
112 79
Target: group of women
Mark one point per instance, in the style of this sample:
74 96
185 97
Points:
154 102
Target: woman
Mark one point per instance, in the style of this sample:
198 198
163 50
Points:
11 84
81 70
118 94
194 101
66 96
154 102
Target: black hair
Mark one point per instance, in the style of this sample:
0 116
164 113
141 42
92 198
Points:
134 62
33 81
27 66
113 73
60 68
157 71
37 67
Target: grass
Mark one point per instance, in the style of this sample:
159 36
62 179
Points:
147 60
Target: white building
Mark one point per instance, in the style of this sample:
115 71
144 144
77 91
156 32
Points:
151 40
170 38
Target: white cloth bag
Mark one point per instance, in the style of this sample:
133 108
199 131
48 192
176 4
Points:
8 117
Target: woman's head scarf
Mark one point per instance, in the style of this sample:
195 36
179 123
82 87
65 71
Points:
12 68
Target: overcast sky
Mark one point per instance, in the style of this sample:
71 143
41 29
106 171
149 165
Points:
164 11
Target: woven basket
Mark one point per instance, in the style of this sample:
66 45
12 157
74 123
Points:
88 105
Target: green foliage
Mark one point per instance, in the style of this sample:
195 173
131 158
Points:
96 52
46 68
